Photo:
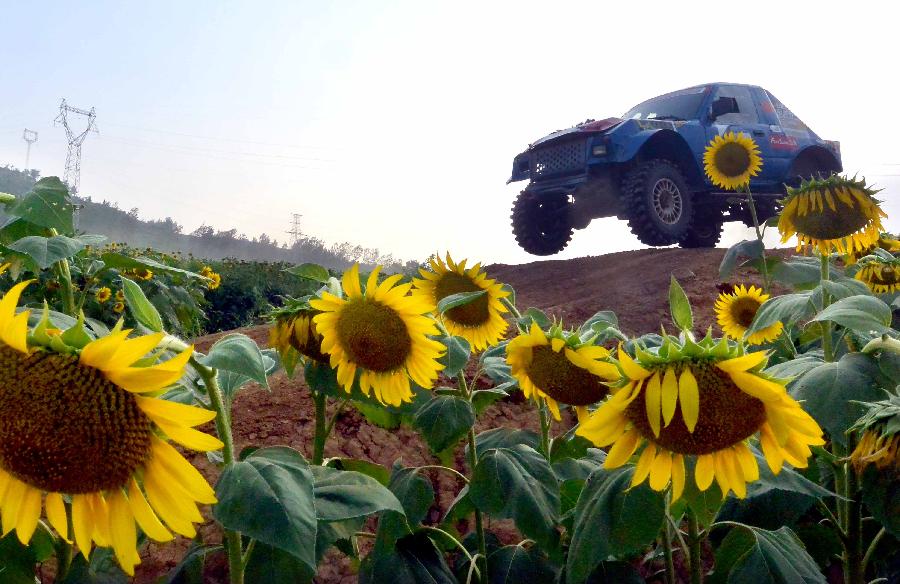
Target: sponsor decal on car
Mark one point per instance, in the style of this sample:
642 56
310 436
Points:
783 142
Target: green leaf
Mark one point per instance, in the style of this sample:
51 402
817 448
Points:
504 438
124 262
881 494
482 399
517 483
141 309
829 392
457 356
46 205
750 554
101 569
269 496
860 313
413 491
190 568
46 251
310 272
239 354
612 519
751 248
378 415
372 469
514 564
444 420
231 381
839 289
17 562
537 316
270 565
414 560
787 309
343 494
794 368
512 293
615 573
680 306
459 299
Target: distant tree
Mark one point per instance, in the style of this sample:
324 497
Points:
203 231
17 182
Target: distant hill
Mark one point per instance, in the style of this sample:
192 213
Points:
106 218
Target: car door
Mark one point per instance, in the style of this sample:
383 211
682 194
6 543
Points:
749 121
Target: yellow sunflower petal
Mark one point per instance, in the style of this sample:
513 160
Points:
190 438
704 471
144 515
29 513
122 532
689 398
652 403
644 465
677 476
174 412
623 448
350 282
82 523
669 395
661 470
56 514
742 363
634 371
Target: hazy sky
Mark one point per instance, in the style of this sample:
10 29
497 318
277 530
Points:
394 124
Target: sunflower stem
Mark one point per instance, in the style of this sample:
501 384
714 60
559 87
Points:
827 349
871 551
473 461
511 307
694 542
854 567
223 429
66 290
667 553
545 428
322 428
64 550
751 204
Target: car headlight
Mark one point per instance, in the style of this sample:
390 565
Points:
599 150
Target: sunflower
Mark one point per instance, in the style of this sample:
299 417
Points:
481 321
837 213
214 279
556 367
119 307
295 329
880 442
703 400
881 275
731 160
120 296
886 241
735 312
84 423
381 332
144 274
103 294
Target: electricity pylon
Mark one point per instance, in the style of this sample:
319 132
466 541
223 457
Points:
295 232
72 176
30 137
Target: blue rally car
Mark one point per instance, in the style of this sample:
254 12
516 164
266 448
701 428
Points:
647 167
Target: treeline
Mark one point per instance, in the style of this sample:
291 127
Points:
106 218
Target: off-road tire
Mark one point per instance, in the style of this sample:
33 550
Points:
541 224
651 218
705 229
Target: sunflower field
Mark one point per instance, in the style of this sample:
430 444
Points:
768 454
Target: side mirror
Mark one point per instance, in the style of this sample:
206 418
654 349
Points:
722 106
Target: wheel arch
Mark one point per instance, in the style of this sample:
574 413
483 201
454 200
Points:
669 145
814 157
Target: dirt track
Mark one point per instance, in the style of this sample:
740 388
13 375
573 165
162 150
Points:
633 284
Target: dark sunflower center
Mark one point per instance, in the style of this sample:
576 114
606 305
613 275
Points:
743 310
732 159
562 380
374 335
474 313
727 415
887 276
305 339
64 427
828 224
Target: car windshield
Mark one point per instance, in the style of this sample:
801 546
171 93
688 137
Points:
680 105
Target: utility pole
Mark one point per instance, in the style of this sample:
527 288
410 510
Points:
72 176
30 137
295 232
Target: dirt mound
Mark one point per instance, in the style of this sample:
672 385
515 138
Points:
634 284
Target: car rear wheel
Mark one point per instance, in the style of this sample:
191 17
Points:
541 224
705 230
658 202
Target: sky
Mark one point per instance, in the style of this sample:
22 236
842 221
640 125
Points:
393 125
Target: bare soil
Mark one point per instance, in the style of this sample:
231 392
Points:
634 284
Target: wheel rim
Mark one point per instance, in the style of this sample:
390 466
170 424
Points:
667 201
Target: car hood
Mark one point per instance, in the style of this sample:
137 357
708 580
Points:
590 126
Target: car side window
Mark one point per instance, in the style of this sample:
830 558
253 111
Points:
746 113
